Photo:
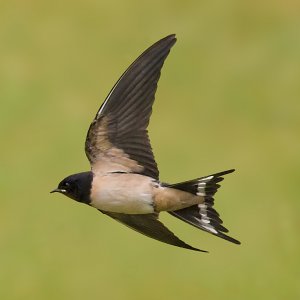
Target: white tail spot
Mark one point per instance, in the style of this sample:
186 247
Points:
206 179
201 189
210 228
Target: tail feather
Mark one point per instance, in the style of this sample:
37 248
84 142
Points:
204 216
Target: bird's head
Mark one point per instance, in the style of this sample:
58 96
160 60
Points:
76 187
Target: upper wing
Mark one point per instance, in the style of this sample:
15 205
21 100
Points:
149 225
117 139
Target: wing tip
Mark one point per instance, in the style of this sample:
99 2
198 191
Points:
171 38
187 246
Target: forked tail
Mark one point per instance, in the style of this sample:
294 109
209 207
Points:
203 215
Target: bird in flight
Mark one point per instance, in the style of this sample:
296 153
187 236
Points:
124 179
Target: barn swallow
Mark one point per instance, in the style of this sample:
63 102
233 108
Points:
124 179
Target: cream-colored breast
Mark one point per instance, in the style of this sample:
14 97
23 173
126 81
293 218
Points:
122 193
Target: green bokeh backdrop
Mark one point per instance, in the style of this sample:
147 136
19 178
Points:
229 96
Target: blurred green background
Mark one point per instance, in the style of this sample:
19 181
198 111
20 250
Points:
228 98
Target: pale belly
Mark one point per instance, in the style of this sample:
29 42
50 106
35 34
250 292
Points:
123 193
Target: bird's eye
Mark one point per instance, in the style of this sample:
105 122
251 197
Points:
67 184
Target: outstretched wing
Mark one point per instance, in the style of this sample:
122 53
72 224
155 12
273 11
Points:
117 139
149 225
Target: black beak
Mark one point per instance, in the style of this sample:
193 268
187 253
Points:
57 191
